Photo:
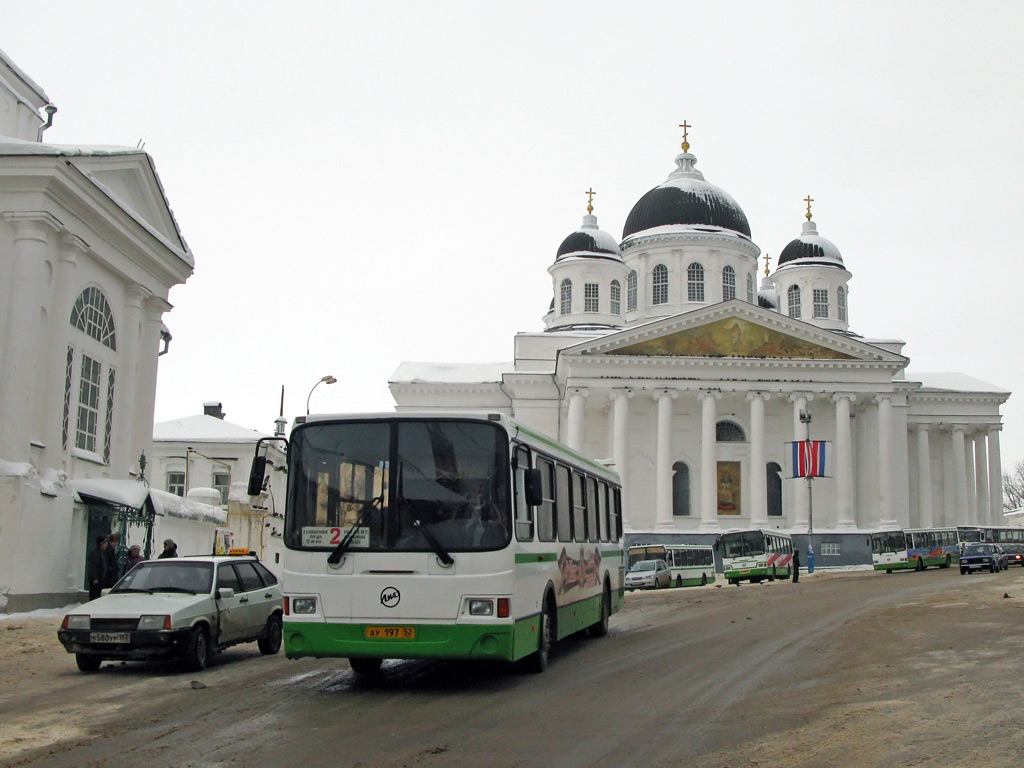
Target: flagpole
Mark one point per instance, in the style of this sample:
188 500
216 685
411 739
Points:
805 417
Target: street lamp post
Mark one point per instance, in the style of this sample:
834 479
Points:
805 418
324 380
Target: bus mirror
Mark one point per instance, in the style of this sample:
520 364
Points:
532 482
256 474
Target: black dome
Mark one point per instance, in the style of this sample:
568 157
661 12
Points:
584 242
811 248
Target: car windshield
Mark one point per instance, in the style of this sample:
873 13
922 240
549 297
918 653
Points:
979 549
167 576
646 565
404 485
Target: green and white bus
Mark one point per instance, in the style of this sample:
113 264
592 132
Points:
447 536
691 565
914 549
756 555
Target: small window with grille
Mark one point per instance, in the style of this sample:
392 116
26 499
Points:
631 291
695 282
728 284
590 300
659 294
616 297
820 302
793 300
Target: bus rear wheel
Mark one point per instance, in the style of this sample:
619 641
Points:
920 564
679 581
365 667
703 579
600 627
949 562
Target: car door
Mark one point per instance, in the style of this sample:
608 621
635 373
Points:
231 609
255 597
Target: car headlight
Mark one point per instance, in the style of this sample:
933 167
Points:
74 621
155 622
481 608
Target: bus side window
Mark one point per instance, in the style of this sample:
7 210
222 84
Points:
579 508
602 510
563 506
524 513
616 513
546 511
593 533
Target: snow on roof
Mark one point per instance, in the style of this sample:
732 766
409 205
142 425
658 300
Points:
450 373
131 493
955 382
12 146
204 428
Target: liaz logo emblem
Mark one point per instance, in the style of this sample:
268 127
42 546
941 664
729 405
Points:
390 597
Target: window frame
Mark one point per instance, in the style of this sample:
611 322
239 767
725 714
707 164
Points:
659 285
695 282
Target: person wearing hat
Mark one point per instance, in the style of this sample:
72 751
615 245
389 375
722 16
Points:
134 556
170 549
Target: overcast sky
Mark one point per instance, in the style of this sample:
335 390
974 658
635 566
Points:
367 183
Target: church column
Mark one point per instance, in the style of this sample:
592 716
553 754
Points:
846 516
20 386
122 455
758 493
970 479
925 512
620 433
981 476
663 474
574 429
959 515
801 499
995 478
145 382
886 517
708 458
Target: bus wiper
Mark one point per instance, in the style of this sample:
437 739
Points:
342 548
441 552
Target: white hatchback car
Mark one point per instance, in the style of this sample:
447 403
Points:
187 607
648 574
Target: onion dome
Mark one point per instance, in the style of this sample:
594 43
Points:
589 242
686 200
766 296
810 247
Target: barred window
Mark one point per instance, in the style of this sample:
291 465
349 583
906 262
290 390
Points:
631 291
176 483
793 300
566 302
69 378
728 284
108 426
820 302
590 300
841 302
222 483
695 282
750 289
616 297
92 315
88 405
660 285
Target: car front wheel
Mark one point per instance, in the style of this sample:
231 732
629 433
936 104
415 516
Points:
270 643
197 653
87 663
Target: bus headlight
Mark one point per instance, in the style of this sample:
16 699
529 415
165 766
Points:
481 607
303 605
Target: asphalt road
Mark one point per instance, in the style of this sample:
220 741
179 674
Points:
856 669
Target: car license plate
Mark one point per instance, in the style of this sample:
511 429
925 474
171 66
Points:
390 633
110 637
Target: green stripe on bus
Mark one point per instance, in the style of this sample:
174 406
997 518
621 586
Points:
536 557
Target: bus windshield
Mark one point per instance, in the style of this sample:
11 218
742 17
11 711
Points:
743 544
888 541
398 481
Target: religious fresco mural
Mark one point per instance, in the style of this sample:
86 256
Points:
729 488
731 337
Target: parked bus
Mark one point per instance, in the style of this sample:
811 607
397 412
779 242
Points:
455 536
914 549
755 555
690 564
991 534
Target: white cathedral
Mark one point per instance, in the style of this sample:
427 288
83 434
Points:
662 353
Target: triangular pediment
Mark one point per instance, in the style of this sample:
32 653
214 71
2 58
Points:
733 329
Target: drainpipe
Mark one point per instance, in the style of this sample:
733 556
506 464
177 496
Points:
50 110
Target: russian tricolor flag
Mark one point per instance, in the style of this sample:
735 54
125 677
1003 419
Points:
809 458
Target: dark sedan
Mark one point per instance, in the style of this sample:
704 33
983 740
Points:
1014 554
981 557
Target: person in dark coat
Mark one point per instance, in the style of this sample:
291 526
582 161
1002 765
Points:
112 571
134 557
796 565
96 567
170 549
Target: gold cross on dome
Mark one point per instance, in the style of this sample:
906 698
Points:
767 261
590 199
808 200
686 127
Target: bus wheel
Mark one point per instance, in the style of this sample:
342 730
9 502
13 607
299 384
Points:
365 667
679 581
949 561
600 628
772 576
920 564
539 659
703 579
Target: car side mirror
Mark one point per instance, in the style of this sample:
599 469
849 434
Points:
223 593
256 475
532 480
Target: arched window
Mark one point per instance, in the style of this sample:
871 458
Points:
841 302
90 416
566 302
820 297
750 289
616 297
729 432
680 490
773 480
793 300
631 291
659 284
728 284
695 282
590 298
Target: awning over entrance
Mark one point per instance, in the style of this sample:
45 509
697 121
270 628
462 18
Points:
134 495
